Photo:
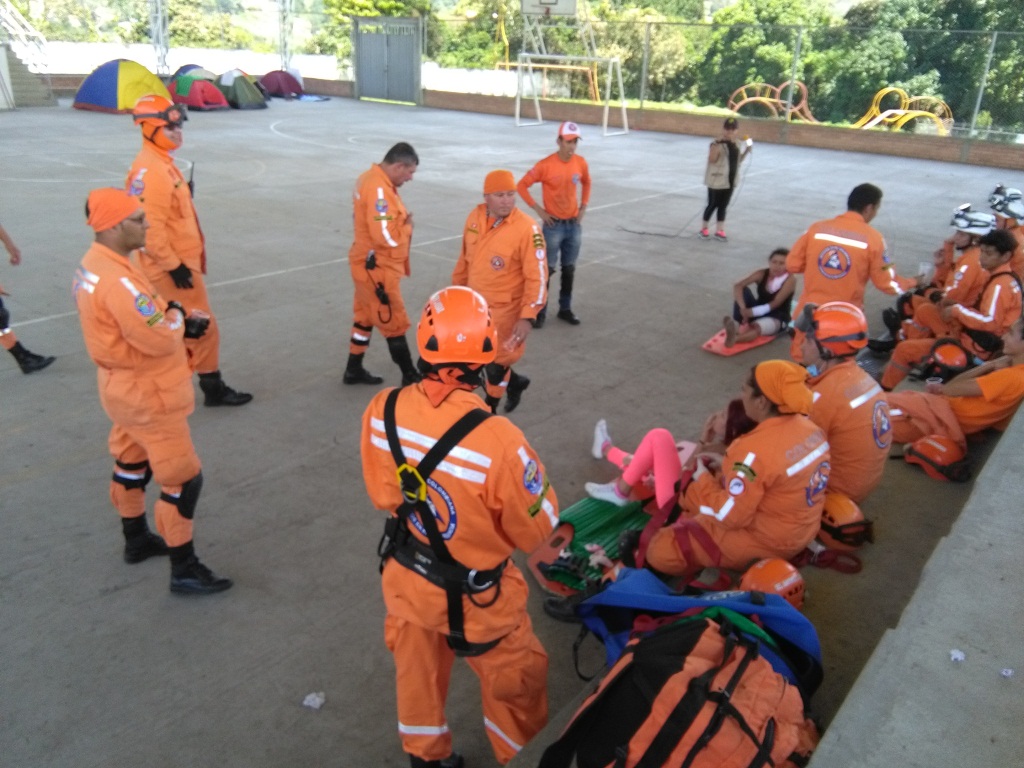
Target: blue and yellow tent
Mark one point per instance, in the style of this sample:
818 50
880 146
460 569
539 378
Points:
116 86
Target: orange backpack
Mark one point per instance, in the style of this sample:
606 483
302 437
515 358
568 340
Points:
694 693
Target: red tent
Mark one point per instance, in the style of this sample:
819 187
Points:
281 83
197 94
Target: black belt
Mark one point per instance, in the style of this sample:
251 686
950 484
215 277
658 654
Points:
564 221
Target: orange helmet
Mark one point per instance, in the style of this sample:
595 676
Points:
775 576
158 112
456 327
940 458
947 359
843 525
837 327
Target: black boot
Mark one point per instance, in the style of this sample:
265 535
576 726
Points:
29 362
191 577
516 386
140 543
356 374
454 760
565 296
219 393
400 353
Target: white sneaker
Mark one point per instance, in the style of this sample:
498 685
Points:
605 492
601 439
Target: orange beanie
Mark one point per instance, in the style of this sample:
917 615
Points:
109 206
499 181
784 383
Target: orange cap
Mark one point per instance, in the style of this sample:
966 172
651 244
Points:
107 207
499 181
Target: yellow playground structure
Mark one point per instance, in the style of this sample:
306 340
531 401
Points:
935 113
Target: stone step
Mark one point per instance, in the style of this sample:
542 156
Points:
29 89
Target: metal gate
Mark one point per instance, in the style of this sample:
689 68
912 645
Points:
387 58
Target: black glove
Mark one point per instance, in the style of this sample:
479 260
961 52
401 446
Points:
177 306
195 327
182 276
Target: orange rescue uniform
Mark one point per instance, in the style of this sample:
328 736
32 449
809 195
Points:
963 285
381 224
852 409
174 238
504 261
491 496
145 384
559 180
837 257
996 310
767 502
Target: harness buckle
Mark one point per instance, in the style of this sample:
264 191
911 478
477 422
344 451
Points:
414 487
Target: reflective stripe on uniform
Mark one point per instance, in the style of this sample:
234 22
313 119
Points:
384 222
806 460
423 730
857 402
489 724
840 240
424 443
724 510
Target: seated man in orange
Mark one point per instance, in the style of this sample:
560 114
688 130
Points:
964 279
764 497
981 398
503 259
981 326
1009 207
848 404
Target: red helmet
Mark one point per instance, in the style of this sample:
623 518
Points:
775 576
456 327
159 111
843 525
837 327
947 359
940 458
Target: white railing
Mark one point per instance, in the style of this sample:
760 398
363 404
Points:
25 40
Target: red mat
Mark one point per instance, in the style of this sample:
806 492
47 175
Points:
716 344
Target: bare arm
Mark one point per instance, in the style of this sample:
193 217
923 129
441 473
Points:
11 247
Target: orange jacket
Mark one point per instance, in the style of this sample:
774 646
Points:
504 261
998 307
559 181
1017 260
380 222
140 351
919 414
174 236
838 256
772 484
852 409
491 497
967 278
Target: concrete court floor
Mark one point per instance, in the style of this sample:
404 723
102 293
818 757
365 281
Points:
102 666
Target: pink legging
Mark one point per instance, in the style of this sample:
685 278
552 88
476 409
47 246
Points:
657 454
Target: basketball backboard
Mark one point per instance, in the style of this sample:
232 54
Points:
549 7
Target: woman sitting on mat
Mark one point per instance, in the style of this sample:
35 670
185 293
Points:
764 311
658 460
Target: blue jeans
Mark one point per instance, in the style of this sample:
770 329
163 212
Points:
562 242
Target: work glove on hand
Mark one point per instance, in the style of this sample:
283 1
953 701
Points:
195 327
182 276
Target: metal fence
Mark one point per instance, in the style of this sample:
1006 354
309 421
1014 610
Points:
962 83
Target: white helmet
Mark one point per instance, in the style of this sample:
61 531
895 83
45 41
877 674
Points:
972 222
1007 201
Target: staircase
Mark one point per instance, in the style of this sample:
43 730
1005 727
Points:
26 61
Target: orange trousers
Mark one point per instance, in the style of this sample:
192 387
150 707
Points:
513 688
166 444
203 353
367 311
906 355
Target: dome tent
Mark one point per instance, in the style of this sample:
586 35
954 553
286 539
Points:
115 87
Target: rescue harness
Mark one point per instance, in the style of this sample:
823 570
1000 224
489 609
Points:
434 562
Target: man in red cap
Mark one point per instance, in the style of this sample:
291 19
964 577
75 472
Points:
136 339
565 180
503 259
174 257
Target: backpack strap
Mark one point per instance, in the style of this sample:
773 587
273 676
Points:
456 578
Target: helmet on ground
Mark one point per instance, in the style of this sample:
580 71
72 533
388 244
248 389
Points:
843 525
456 327
775 576
947 359
838 327
1008 202
159 112
972 222
940 457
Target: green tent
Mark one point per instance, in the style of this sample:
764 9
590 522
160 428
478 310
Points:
239 91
